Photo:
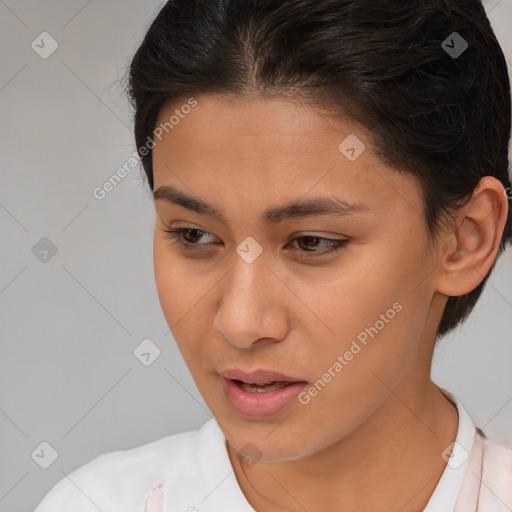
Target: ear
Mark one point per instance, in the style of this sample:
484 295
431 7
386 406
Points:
470 247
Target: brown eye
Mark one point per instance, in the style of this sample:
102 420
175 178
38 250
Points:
192 238
311 243
186 237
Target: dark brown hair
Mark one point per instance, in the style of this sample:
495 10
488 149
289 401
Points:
443 118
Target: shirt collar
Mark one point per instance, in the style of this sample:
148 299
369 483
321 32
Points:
445 495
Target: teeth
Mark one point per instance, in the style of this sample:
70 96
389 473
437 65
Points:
262 388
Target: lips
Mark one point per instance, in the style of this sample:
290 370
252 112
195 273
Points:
260 393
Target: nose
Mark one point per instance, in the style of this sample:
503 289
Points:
252 309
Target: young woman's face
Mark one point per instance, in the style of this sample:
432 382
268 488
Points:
260 290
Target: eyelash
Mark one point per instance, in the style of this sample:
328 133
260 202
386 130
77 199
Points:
175 235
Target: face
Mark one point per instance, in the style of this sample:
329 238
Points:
335 300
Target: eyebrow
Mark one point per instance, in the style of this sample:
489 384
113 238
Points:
328 205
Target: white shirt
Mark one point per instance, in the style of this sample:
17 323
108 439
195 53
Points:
192 472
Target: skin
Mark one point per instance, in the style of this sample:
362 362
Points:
372 439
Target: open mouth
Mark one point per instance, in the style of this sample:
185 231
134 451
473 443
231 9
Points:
260 399
262 388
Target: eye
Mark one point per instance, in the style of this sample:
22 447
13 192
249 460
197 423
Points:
181 236
187 238
312 242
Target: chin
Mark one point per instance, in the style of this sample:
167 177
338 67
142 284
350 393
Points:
262 443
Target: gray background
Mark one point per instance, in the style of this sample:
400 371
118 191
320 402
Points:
69 326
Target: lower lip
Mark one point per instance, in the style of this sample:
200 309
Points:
260 405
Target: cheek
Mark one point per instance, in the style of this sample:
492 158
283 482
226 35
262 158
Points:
174 286
373 316
167 281
182 288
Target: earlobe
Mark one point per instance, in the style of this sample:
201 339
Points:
471 250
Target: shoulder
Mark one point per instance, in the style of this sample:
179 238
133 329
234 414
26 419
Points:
120 480
496 473
497 457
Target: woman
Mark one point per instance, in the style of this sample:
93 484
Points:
330 181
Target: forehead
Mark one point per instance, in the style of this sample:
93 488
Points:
276 149
281 121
